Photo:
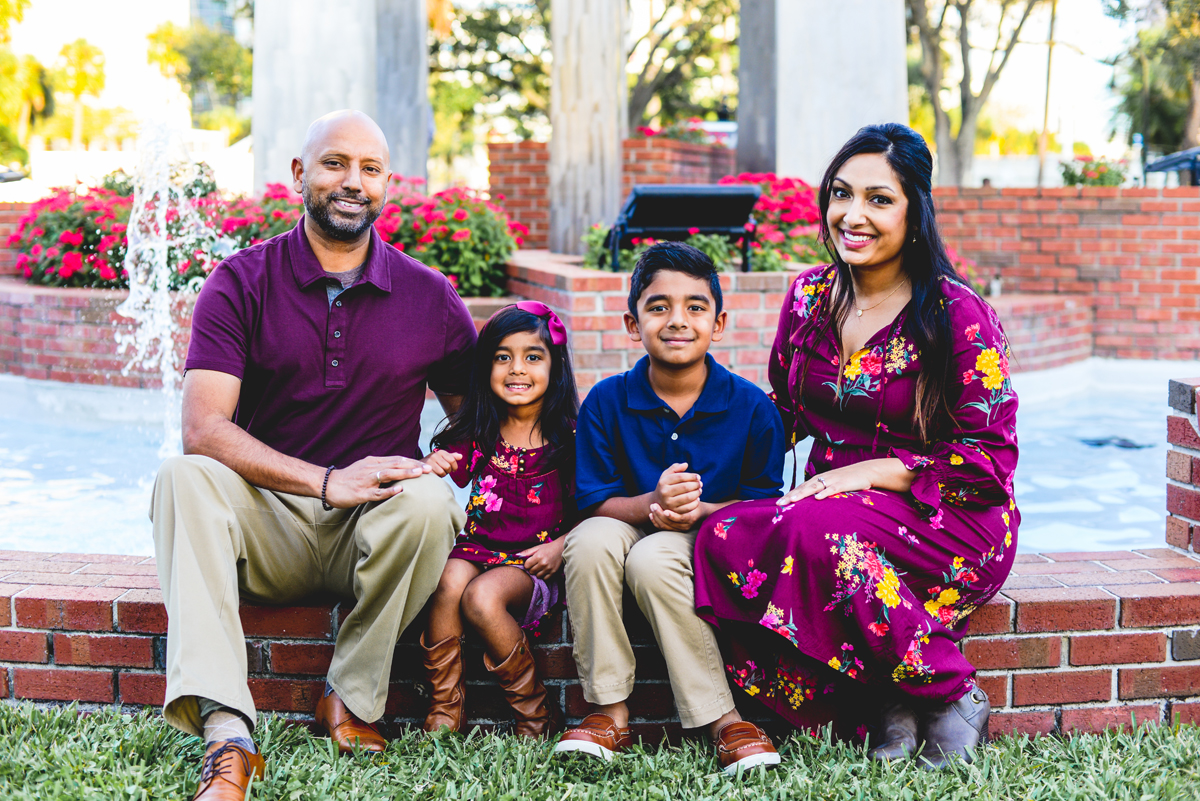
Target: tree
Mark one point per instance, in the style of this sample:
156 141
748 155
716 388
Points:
935 28
1176 40
684 45
80 72
25 94
10 11
1153 88
212 67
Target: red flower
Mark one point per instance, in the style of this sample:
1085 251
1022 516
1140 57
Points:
107 273
461 235
872 363
72 263
967 376
693 231
972 331
461 215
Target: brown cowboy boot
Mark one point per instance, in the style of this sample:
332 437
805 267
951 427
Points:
536 715
444 667
227 772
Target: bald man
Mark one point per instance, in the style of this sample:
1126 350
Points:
305 379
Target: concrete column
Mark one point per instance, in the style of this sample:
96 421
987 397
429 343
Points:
587 114
312 57
756 87
841 66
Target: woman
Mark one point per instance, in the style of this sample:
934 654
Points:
850 593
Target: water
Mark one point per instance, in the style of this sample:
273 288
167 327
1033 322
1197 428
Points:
77 463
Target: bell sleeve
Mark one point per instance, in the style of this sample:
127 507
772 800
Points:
973 463
471 456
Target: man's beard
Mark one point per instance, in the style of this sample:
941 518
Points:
322 212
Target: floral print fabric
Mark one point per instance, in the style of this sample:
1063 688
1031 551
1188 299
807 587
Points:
825 602
518 500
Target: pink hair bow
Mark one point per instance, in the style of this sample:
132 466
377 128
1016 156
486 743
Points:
558 332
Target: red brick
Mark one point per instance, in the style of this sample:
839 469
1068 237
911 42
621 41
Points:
307 622
998 653
310 659
1185 713
647 700
1179 531
285 695
1158 682
76 608
1094 720
142 611
994 617
1062 687
1057 568
147 689
1109 579
1117 649
1031 723
996 687
23 646
1087 556
1159 604
52 684
114 650
1180 431
1066 609
1179 466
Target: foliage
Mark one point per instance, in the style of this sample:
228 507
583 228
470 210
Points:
935 28
11 11
80 69
57 754
685 64
11 151
502 49
211 65
25 97
114 124
1089 171
454 119
785 226
1152 84
79 240
688 130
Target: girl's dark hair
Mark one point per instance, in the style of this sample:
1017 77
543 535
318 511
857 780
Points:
478 419
925 262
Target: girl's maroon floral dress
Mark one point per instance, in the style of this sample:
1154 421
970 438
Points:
827 602
518 500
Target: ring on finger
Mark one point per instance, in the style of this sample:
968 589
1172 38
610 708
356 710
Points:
379 477
823 484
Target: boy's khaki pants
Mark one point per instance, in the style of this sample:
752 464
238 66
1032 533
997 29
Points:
601 556
219 540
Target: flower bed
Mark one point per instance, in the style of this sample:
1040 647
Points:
78 238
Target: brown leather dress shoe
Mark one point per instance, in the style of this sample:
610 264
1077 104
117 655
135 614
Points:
742 745
227 772
347 729
596 735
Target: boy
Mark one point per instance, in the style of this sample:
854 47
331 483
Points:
659 449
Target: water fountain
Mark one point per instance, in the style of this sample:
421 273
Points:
165 229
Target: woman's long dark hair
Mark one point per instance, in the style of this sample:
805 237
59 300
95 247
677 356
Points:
478 419
924 261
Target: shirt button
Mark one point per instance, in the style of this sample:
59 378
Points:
335 362
338 303
337 334
675 436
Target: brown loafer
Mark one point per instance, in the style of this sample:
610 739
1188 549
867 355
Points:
598 736
347 729
227 772
742 745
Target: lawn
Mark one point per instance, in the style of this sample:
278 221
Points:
51 754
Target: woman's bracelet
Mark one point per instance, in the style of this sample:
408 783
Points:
325 486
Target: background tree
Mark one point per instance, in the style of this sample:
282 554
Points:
80 72
938 23
1154 92
212 67
688 42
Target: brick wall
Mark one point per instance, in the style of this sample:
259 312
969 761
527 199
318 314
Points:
1134 251
1183 466
518 170
10 215
1075 642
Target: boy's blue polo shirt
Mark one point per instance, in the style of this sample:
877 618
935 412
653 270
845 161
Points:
627 436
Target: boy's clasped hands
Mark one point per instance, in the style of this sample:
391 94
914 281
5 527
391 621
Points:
675 504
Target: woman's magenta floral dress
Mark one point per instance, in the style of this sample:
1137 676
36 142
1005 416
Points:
519 499
827 602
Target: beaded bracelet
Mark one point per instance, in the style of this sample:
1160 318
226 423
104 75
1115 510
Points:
325 486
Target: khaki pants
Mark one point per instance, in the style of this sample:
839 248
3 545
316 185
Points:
601 556
220 540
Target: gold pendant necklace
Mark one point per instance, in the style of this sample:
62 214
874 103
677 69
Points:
893 292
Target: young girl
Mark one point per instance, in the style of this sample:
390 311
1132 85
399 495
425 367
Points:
514 440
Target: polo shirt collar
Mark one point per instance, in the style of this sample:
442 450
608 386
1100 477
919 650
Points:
714 398
307 270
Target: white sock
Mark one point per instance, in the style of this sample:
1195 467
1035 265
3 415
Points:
222 725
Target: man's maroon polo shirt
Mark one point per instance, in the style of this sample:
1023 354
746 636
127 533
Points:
331 384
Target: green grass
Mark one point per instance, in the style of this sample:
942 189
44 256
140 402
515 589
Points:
52 754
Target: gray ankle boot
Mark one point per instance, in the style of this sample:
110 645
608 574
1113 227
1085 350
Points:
955 728
899 736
